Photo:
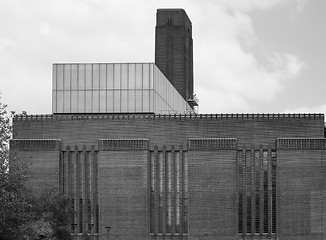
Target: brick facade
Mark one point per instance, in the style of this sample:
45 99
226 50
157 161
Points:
181 176
174 49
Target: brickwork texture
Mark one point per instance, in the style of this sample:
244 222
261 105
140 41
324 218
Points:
177 176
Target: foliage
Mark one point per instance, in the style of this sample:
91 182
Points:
39 229
55 209
24 215
5 129
14 194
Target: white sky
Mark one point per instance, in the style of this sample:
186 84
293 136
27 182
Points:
250 56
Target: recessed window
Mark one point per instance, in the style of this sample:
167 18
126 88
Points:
257 205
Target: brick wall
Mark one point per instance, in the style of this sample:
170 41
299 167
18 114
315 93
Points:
212 194
123 194
170 129
42 159
174 50
301 190
123 170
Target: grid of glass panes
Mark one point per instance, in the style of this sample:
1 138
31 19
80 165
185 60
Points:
113 88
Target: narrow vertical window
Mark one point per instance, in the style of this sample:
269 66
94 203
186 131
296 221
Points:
265 166
248 214
185 191
97 217
257 189
169 192
240 213
80 215
249 187
95 196
178 195
257 192
152 192
72 216
161 196
273 191
89 212
240 167
91 189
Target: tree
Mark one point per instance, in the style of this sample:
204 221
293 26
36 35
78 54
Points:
55 209
13 191
24 215
39 229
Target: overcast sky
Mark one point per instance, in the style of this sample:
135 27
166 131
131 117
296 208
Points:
250 56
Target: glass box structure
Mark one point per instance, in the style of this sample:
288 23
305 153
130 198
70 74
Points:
114 88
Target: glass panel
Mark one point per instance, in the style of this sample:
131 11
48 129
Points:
156 102
146 76
139 101
102 76
170 97
124 76
109 99
139 80
116 101
54 101
81 76
159 84
66 103
166 107
96 101
146 101
151 76
109 76
59 77
74 102
81 102
163 108
155 79
74 75
132 76
96 76
54 77
88 106
174 101
66 77
102 101
131 101
151 100
89 75
164 88
124 101
117 79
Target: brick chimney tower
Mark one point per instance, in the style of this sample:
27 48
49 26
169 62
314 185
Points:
174 50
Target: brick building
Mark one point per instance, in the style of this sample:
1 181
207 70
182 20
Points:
125 144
